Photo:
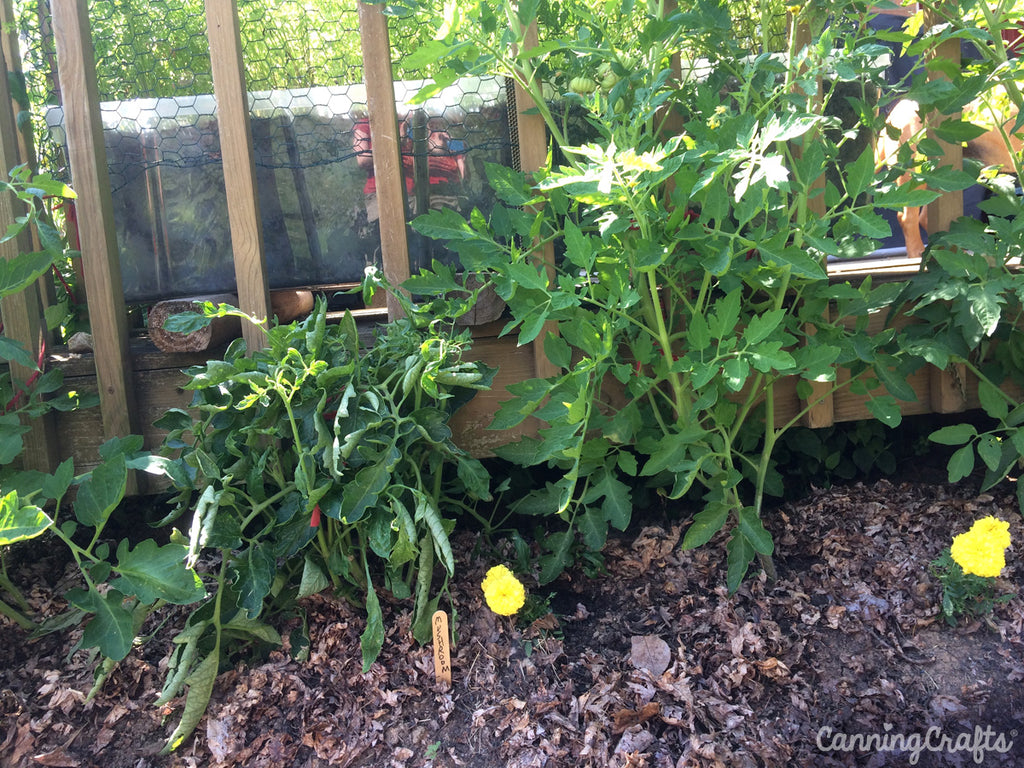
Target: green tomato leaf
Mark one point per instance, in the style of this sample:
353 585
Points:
955 434
19 522
762 326
860 173
740 553
313 579
256 570
111 629
990 450
753 530
372 638
735 372
13 351
706 524
886 410
19 272
594 528
894 379
101 492
961 464
200 688
557 558
362 492
11 443
152 572
992 400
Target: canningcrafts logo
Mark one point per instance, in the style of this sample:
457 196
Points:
978 744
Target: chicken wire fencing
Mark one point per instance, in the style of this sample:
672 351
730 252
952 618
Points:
309 123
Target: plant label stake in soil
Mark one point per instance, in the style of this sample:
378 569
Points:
442 650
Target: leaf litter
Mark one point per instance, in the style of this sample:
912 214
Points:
649 664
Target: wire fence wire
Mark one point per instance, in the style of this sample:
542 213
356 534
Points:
303 63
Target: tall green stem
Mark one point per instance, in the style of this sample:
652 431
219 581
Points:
16 616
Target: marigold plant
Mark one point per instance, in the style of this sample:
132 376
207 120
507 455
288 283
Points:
504 593
981 550
968 568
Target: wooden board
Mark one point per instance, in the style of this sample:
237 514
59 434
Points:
469 424
387 163
239 164
101 266
22 312
533 153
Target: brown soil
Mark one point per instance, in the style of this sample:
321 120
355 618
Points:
649 664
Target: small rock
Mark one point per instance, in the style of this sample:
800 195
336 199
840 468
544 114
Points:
80 343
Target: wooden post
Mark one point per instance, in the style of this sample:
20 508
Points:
533 154
12 55
22 312
821 403
91 181
26 141
239 165
387 160
948 394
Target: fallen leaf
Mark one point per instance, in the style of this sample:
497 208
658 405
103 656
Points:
651 653
58 758
23 742
627 718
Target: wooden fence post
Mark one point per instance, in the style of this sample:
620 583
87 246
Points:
22 312
533 154
26 140
384 138
236 147
91 181
821 402
948 392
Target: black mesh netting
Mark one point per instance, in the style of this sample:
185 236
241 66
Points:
304 72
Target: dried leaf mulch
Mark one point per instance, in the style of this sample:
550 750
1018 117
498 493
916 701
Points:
843 660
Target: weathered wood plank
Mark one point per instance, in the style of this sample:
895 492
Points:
26 140
384 138
533 153
947 391
469 424
101 267
239 164
22 312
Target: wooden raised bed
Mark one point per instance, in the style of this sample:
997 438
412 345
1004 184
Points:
137 384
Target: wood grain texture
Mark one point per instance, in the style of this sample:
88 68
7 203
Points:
101 267
22 312
946 387
533 153
9 47
239 164
218 332
384 137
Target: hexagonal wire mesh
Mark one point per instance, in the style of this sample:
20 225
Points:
304 73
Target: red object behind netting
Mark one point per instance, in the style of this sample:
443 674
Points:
1014 39
71 216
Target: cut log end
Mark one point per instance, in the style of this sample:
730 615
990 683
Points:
286 305
219 331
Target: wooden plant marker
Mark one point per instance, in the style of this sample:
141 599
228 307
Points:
442 648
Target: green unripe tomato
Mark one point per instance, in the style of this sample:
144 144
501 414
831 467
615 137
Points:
608 78
582 85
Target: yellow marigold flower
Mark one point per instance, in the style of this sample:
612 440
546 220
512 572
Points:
503 592
982 549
